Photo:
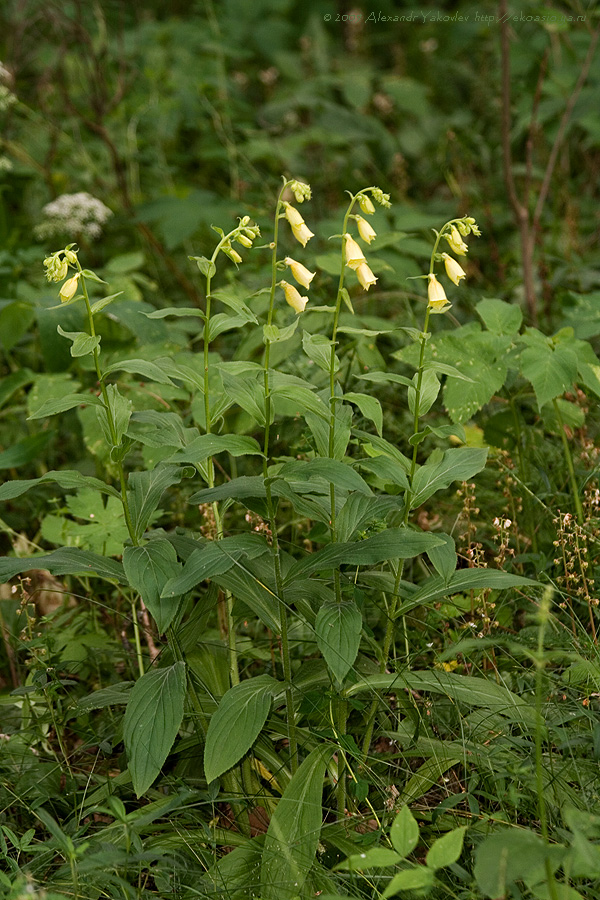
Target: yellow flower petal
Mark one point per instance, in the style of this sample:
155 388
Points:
365 276
454 271
365 229
292 296
436 293
354 255
300 272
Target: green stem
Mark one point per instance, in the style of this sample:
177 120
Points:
524 475
569 462
540 664
120 468
286 661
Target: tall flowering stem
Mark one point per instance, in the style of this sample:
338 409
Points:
286 661
81 282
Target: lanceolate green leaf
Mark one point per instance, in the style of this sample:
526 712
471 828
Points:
66 478
236 724
293 835
152 719
214 558
151 371
148 568
393 543
466 689
457 465
206 445
465 580
64 561
338 628
83 343
62 404
146 489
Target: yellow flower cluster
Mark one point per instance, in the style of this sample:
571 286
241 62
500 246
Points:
437 300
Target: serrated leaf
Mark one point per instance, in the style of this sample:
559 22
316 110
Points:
404 833
446 850
236 724
338 629
293 834
148 569
152 719
83 343
551 371
499 316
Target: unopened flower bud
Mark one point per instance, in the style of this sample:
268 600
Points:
233 255
457 244
436 294
365 229
365 276
454 271
366 205
354 255
69 289
292 296
243 240
301 191
380 197
300 272
71 257
245 220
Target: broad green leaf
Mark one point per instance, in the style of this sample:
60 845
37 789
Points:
404 833
236 724
214 558
206 445
457 464
430 388
370 408
338 628
64 561
121 408
24 451
152 719
376 858
206 266
361 510
340 474
115 695
319 427
99 305
499 316
443 557
385 378
318 348
222 322
177 311
417 878
146 489
238 489
148 569
62 404
306 400
393 543
275 335
467 689
446 849
389 470
67 479
12 383
254 591
513 855
375 445
248 392
465 580
428 775
83 343
551 370
293 834
152 371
